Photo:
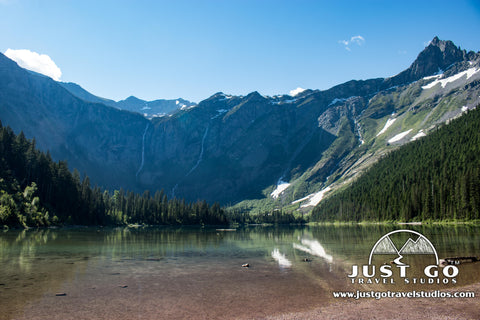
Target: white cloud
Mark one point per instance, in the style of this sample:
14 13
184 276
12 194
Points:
358 40
33 61
294 92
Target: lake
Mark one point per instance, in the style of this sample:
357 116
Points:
197 273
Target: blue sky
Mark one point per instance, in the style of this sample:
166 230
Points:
193 49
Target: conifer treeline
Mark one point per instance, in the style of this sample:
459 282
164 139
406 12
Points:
434 178
36 191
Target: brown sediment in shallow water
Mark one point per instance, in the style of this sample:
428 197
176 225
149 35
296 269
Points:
230 293
148 298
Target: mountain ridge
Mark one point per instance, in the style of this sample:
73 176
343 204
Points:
236 149
149 109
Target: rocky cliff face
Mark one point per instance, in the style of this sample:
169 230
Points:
232 148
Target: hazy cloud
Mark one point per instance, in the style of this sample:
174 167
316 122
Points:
33 61
357 40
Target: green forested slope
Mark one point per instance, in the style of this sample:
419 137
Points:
434 178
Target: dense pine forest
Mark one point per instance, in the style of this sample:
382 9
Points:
434 178
36 191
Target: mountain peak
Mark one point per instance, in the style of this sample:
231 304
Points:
133 99
445 46
255 96
438 56
435 41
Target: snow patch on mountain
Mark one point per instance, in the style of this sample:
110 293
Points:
435 76
302 199
419 135
468 73
219 113
340 100
337 100
186 107
225 97
399 136
281 186
314 198
387 125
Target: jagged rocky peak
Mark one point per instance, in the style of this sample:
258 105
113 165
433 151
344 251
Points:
437 57
439 54
441 44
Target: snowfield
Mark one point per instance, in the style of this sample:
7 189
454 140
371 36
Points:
281 186
314 198
418 135
469 73
399 136
387 125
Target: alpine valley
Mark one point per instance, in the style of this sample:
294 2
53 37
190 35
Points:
254 152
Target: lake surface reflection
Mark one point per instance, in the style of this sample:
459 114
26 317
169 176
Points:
178 273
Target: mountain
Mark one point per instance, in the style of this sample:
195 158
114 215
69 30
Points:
86 134
156 108
255 152
149 109
436 58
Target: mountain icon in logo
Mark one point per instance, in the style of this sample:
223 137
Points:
385 245
421 246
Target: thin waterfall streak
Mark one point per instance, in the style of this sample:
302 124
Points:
143 151
200 156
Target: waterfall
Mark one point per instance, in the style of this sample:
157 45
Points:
143 150
200 156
